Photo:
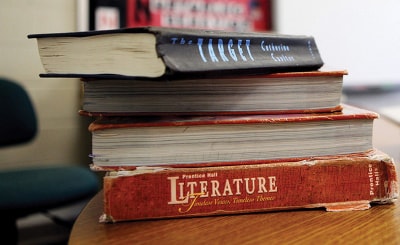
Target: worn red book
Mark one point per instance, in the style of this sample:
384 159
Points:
279 93
337 183
128 142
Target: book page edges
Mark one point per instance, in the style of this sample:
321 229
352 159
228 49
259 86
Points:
248 163
139 52
370 155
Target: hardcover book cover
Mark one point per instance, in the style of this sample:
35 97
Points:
158 51
337 183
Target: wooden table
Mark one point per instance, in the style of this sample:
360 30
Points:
378 225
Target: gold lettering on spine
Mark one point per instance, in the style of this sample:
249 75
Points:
195 196
187 193
174 199
272 184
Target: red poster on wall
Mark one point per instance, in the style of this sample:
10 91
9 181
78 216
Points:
234 15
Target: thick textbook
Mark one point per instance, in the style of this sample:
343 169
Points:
290 92
128 142
156 51
337 183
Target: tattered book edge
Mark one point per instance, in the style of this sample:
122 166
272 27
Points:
329 207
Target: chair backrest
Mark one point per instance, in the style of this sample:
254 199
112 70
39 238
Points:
18 123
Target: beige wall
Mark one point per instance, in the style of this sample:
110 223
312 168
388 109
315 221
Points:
63 135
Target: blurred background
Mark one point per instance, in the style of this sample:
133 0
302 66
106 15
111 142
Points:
360 36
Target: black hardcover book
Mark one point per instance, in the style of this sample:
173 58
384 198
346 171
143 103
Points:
159 51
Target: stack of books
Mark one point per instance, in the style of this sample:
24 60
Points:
194 123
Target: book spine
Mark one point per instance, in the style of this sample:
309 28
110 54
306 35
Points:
342 183
237 53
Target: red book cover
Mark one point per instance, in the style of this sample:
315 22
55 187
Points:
348 113
338 183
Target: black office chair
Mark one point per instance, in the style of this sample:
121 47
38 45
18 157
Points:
33 189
